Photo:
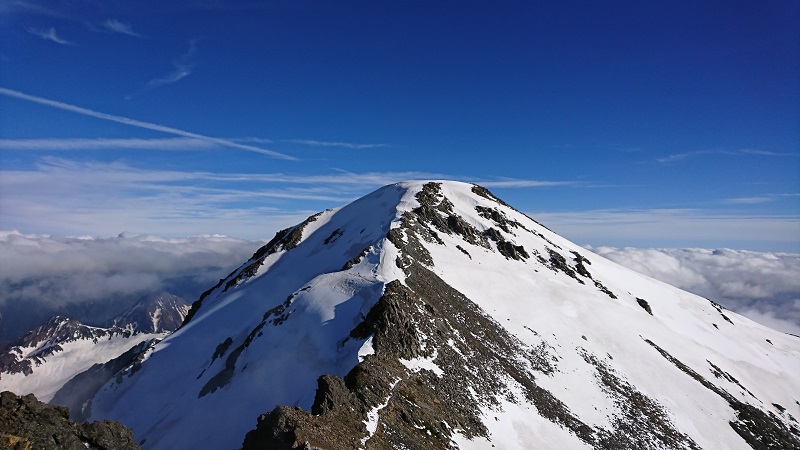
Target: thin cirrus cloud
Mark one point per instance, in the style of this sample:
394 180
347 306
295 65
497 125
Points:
140 124
749 200
116 26
181 68
676 157
167 144
103 198
349 145
66 144
49 34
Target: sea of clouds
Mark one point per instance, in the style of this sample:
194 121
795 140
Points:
764 287
95 279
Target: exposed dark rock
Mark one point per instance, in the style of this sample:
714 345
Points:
26 423
719 373
332 238
646 306
506 248
438 213
579 267
356 259
459 226
494 234
604 289
221 349
413 249
512 251
244 274
485 193
727 319
719 309
13 361
499 218
559 263
429 196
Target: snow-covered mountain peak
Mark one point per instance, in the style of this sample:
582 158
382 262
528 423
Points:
434 315
159 313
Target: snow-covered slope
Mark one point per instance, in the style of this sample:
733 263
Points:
433 315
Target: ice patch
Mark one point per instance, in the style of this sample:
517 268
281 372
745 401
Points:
366 349
373 415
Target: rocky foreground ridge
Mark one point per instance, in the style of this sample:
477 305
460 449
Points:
28 424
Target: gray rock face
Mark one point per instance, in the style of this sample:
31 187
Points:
28 424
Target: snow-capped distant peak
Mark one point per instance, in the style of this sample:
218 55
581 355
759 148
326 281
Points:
154 314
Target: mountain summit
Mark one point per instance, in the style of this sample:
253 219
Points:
434 315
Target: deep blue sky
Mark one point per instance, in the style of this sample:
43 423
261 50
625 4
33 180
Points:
615 123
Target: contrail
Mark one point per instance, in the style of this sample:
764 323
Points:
140 124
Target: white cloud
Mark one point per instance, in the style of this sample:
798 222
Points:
181 68
762 286
138 123
56 144
675 157
44 275
335 144
749 200
49 34
120 27
66 197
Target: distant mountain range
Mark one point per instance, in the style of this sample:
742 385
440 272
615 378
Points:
53 354
433 315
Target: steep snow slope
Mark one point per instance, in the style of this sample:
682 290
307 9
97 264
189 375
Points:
439 317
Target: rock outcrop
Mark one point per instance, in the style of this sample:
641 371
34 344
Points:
28 424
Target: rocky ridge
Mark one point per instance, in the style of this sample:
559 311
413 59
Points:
28 424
